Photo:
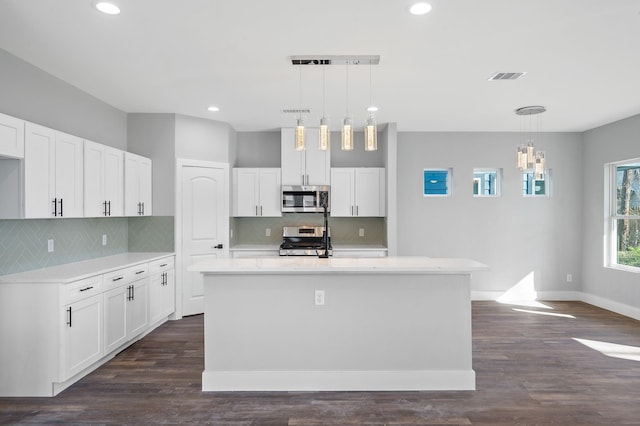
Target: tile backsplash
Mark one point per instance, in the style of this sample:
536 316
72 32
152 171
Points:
23 243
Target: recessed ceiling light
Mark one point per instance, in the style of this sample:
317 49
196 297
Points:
213 108
420 9
108 8
372 108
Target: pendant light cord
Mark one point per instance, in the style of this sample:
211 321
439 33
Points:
300 92
347 68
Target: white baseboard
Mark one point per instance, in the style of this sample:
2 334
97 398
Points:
600 302
413 380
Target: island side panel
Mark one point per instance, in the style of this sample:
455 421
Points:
375 331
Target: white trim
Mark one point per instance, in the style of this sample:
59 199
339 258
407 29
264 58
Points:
406 380
610 305
575 296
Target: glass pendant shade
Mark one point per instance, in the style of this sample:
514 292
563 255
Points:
540 165
300 136
347 135
324 135
370 135
521 157
531 157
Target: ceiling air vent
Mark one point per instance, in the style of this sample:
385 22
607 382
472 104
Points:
506 76
295 111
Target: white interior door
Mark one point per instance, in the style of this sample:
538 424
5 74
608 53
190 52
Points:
205 227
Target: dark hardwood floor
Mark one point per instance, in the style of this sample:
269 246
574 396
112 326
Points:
530 371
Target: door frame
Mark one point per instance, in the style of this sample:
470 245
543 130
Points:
181 163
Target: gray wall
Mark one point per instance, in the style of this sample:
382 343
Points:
34 95
201 139
258 149
514 235
153 136
614 142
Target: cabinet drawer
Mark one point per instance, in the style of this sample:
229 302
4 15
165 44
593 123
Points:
125 275
161 265
82 289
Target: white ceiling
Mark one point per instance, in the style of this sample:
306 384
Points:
582 58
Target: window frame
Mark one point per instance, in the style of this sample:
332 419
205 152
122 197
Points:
612 216
449 181
498 181
547 185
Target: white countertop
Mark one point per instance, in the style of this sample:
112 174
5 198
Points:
276 247
69 272
315 265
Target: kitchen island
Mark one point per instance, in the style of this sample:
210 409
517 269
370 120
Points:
306 324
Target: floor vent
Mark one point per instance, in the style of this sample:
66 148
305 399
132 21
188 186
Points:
506 76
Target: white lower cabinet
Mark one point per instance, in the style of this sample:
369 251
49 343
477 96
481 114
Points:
162 289
82 337
56 329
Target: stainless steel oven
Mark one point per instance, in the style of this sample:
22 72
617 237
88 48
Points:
305 199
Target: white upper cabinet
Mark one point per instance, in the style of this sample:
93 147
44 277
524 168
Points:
308 167
358 191
256 192
53 173
103 180
11 137
137 185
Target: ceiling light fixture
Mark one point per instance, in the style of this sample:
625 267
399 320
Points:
527 158
300 130
347 125
420 9
324 133
370 128
108 8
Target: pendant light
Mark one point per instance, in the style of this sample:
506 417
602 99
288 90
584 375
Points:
527 158
347 125
324 133
300 130
370 128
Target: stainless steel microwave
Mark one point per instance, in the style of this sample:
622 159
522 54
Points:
305 199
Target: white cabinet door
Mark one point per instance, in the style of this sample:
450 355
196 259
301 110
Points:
82 335
168 299
137 185
39 172
137 307
11 137
308 167
256 192
115 318
317 162
146 176
369 193
103 180
114 181
69 172
357 191
246 192
292 161
270 192
342 192
53 170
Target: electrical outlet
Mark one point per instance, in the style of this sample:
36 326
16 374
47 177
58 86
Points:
104 239
267 232
319 297
569 278
361 232
50 246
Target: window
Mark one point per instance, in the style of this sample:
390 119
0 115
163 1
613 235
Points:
624 217
533 186
486 182
437 182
